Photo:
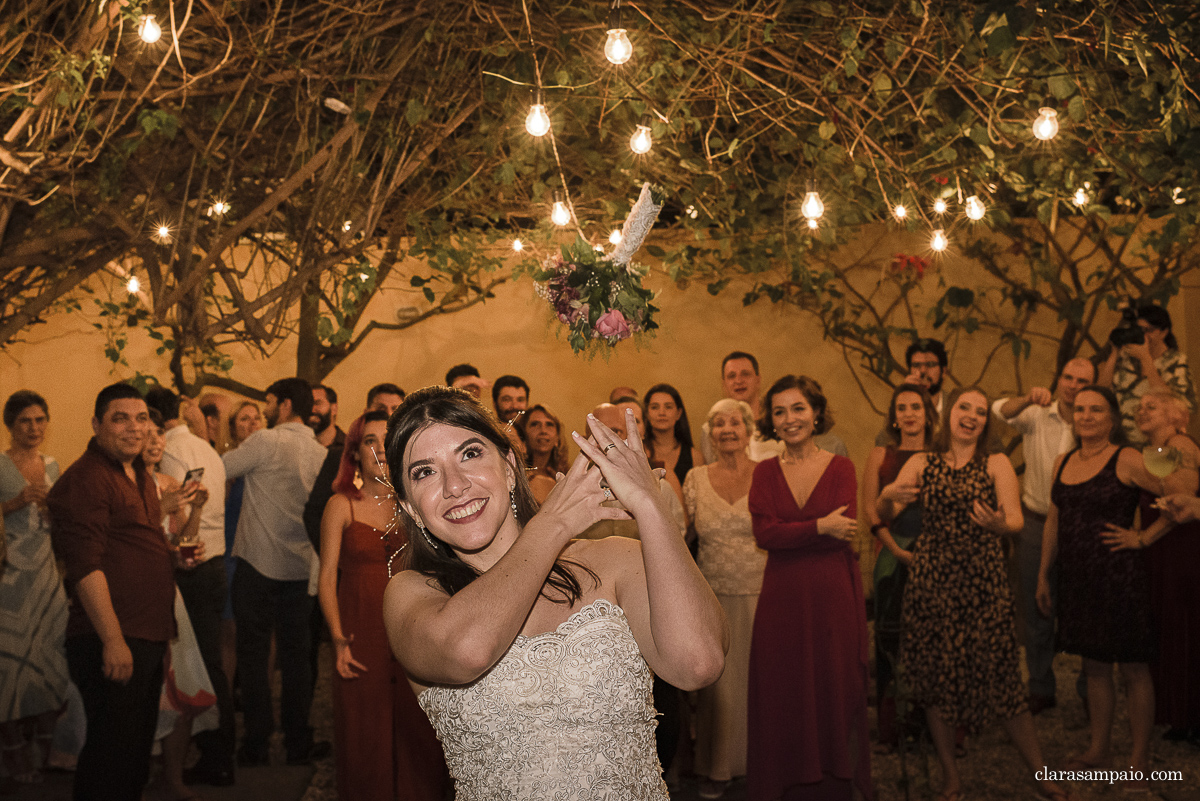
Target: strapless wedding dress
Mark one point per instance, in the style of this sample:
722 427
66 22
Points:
566 715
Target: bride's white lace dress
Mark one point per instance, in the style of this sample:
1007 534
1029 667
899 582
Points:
566 715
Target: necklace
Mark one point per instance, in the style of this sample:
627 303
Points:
1085 456
786 458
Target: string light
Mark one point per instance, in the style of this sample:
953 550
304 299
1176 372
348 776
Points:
975 208
939 206
899 212
518 245
1081 197
1045 127
346 226
617 48
939 241
162 233
812 224
559 214
149 31
133 285
812 208
641 141
1176 198
615 237
537 121
219 208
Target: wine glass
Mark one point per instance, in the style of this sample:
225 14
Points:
1161 460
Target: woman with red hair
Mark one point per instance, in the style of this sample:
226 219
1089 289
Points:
385 745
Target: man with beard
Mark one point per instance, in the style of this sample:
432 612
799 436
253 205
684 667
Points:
510 397
1044 420
323 420
276 572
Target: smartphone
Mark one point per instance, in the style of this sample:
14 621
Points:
195 474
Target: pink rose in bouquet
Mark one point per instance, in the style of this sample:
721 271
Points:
612 324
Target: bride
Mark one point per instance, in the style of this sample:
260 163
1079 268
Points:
530 651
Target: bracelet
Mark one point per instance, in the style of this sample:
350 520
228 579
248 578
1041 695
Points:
878 527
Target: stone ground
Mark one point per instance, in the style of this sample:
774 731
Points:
991 771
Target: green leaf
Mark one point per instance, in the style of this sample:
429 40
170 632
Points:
1076 110
414 112
882 83
960 297
826 130
429 296
1061 86
1000 40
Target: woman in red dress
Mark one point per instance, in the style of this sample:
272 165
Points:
808 656
385 746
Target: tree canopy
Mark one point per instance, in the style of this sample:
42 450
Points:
299 156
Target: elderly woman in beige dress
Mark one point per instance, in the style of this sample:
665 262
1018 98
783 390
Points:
715 497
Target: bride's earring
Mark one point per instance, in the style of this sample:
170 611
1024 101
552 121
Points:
425 534
512 500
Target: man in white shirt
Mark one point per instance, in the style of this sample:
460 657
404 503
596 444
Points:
741 381
1044 420
203 589
276 568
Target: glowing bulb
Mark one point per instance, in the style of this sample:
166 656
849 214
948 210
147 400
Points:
812 207
1045 127
618 48
346 225
219 208
615 237
537 122
133 285
691 212
1176 198
559 215
641 140
899 212
162 232
518 245
939 206
148 30
812 224
1081 197
939 241
975 208
363 276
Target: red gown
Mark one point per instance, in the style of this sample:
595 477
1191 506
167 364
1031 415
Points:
385 747
808 657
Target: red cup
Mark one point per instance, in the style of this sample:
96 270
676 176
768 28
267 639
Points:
187 551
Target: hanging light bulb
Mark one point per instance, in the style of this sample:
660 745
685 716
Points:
219 208
162 233
812 225
939 241
133 285
537 121
559 213
939 206
1045 127
812 208
518 245
615 237
899 212
618 48
149 31
1081 197
641 140
975 208
346 225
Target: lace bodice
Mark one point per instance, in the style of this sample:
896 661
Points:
728 557
565 715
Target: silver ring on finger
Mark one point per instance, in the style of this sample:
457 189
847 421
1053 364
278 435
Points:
609 447
608 494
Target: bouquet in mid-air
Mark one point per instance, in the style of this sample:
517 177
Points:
598 296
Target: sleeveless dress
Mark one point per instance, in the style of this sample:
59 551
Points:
565 715
1175 604
732 563
33 607
890 577
808 730
1103 595
384 747
959 641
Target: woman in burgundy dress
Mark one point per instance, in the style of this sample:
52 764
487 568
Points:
808 656
1174 575
912 422
385 746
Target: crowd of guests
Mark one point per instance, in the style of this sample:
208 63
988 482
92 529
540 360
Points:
202 545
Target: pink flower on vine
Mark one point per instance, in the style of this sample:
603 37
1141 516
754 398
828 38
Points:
612 324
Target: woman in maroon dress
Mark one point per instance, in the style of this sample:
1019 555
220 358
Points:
385 746
808 655
1174 575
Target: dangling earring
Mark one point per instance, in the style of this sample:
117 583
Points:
425 534
512 499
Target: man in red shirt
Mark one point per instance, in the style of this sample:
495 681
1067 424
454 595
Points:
105 525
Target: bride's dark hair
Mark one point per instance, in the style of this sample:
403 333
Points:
454 407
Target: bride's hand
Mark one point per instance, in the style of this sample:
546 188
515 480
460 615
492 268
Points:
622 462
576 500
